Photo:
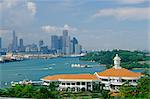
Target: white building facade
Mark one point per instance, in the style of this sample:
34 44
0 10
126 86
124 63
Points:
116 76
111 78
72 82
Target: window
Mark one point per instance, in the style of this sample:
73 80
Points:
129 80
83 83
73 83
68 83
104 79
134 80
78 83
123 80
63 83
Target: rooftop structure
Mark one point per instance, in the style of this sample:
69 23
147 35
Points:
116 76
111 78
72 82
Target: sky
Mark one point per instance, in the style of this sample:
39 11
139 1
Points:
97 24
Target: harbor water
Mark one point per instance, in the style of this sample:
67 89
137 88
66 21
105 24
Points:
35 69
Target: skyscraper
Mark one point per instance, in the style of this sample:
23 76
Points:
78 49
54 42
66 42
21 46
20 42
14 42
74 42
60 43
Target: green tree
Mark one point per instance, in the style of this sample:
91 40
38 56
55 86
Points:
42 93
143 87
127 90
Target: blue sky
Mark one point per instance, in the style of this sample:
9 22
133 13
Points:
98 24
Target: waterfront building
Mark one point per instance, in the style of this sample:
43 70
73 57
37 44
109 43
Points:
116 76
60 44
41 44
72 82
74 42
111 78
31 48
20 42
14 42
54 42
66 42
78 49
63 44
44 49
21 45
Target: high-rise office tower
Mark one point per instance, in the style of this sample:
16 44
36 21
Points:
74 42
78 49
60 43
0 42
14 42
21 42
54 42
66 42
21 46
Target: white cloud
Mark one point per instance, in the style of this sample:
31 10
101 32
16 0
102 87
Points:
131 1
9 3
17 13
52 29
49 28
127 13
31 7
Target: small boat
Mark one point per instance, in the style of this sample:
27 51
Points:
80 66
24 82
47 68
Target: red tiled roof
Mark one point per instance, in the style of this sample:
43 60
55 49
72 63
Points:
112 72
71 76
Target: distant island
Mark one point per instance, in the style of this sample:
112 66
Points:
130 59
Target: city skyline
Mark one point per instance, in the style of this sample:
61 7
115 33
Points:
63 44
97 24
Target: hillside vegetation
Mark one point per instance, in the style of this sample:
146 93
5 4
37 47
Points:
129 59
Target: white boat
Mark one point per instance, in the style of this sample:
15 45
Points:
80 66
1 59
47 68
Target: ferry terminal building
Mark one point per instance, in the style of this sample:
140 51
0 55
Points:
111 78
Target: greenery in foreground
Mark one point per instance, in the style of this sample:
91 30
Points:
50 92
30 91
129 59
141 91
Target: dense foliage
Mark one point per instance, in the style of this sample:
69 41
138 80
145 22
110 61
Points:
142 90
30 91
50 92
129 59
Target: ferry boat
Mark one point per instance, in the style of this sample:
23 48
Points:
48 68
80 66
26 82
